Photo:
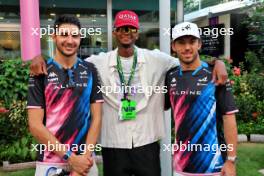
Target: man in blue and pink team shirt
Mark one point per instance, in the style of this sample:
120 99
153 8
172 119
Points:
200 110
64 107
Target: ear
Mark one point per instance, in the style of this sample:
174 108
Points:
173 46
114 33
53 36
137 36
199 44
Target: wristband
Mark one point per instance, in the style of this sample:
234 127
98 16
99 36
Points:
232 159
67 155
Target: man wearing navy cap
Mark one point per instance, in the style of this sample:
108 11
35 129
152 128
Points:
132 121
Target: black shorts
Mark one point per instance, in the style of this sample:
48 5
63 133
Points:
139 161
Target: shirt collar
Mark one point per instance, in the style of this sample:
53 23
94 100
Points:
140 57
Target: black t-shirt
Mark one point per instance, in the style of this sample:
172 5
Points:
66 96
198 107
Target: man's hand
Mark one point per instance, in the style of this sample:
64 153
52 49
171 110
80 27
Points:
38 66
229 169
74 174
219 73
88 155
80 164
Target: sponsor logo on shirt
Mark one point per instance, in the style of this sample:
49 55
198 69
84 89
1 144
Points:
78 85
201 84
186 92
203 79
83 75
53 77
173 80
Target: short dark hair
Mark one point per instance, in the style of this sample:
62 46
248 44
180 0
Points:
67 19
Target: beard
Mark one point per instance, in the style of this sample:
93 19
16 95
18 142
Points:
187 62
126 45
65 54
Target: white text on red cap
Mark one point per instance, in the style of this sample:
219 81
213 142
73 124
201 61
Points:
128 16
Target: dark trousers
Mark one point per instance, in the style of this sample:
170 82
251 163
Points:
139 161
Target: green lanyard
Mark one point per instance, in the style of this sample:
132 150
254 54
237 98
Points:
121 73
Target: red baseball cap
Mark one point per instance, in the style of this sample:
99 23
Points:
126 18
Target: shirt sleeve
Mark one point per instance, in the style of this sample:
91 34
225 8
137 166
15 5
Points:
171 61
96 94
166 62
225 100
36 97
89 59
167 104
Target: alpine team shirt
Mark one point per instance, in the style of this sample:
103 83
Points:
198 107
66 96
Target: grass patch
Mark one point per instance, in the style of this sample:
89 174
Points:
27 172
250 159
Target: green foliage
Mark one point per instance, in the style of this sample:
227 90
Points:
254 62
207 3
248 92
19 151
15 139
249 98
190 6
13 124
14 76
255 25
248 87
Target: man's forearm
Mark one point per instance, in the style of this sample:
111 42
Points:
95 127
230 132
42 134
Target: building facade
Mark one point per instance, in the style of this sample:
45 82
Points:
96 16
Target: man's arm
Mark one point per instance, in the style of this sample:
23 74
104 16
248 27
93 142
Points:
39 131
95 127
230 132
227 108
96 100
220 75
93 132
38 66
43 135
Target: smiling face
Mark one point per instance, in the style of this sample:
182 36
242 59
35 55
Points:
126 36
187 48
67 40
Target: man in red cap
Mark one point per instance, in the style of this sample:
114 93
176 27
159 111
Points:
132 81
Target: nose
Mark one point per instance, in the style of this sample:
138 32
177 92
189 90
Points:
187 46
126 33
70 39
